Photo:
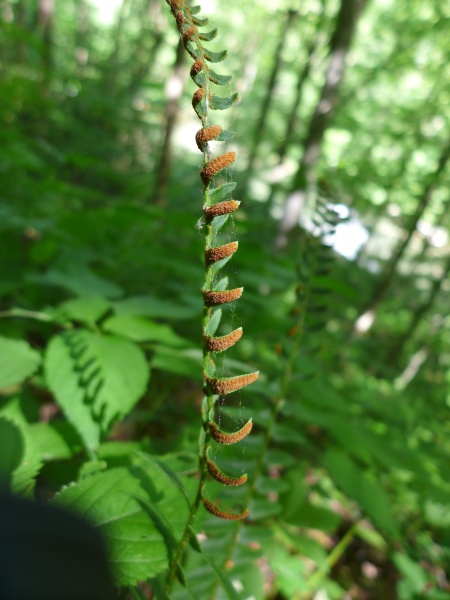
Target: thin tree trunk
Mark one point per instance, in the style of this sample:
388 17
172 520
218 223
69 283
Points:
291 124
366 320
417 316
20 18
174 90
339 46
81 37
150 38
46 12
426 242
267 102
114 59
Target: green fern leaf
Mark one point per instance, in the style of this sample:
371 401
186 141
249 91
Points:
218 103
96 379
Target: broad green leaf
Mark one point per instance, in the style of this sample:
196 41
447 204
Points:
361 488
87 309
227 586
56 440
11 451
182 362
315 517
162 490
17 362
261 509
108 500
286 434
218 103
96 379
91 467
290 572
140 329
414 578
23 476
79 279
147 306
137 594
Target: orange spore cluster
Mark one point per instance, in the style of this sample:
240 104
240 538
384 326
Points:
222 437
216 165
227 385
219 344
212 298
217 253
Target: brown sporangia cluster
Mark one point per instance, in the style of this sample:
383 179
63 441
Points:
207 134
217 253
197 66
198 97
228 516
227 385
219 209
218 475
202 102
225 438
219 344
190 32
216 165
212 298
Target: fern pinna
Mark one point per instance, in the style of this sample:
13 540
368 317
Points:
216 209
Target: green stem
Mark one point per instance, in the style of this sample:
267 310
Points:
332 558
27 314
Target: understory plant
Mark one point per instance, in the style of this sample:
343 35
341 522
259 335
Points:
217 207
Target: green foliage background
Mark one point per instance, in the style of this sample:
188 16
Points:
100 303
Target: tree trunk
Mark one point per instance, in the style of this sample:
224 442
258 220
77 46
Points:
114 59
417 317
81 37
291 124
46 11
174 89
366 320
150 39
323 113
270 89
